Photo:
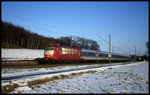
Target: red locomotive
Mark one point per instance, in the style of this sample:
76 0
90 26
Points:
55 54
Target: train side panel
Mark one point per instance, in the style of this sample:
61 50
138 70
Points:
69 53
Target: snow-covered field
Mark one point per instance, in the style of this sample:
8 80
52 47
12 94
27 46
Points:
129 78
21 54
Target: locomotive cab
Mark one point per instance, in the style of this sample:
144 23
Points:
48 53
51 53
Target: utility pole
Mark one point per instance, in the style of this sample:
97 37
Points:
112 49
135 55
124 53
71 41
139 52
97 54
109 49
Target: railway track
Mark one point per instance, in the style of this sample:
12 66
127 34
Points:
34 64
19 62
37 64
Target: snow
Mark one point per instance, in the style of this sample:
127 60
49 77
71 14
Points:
128 78
21 54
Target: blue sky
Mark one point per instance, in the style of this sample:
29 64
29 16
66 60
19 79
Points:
126 22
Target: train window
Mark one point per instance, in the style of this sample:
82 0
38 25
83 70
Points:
91 54
104 55
63 49
82 53
63 52
66 52
94 54
49 48
87 54
69 52
72 51
100 55
66 49
76 51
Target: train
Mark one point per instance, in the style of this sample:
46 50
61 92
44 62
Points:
56 53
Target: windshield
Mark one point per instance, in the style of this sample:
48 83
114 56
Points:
49 50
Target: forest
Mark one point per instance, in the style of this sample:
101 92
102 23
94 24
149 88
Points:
13 36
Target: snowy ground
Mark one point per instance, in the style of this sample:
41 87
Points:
130 78
21 54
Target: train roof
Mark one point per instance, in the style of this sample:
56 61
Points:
104 52
68 47
88 50
63 46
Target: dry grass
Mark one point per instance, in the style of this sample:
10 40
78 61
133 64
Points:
9 88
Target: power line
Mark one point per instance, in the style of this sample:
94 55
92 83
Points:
46 30
48 25
104 40
50 31
24 19
33 21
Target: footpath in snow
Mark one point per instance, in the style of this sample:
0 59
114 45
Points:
129 78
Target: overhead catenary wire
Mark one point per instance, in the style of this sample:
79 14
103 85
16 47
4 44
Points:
35 22
45 29
50 26
52 31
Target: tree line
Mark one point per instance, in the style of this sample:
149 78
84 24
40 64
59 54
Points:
13 36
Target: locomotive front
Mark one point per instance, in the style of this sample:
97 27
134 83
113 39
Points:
50 53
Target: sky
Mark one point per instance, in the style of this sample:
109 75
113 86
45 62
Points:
126 22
